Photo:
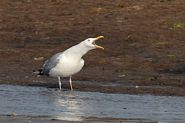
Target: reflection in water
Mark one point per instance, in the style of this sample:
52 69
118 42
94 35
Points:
67 105
67 102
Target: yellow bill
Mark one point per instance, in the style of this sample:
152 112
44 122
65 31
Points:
97 46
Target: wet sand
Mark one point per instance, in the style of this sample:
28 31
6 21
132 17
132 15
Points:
40 119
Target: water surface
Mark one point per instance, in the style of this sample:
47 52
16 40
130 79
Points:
67 105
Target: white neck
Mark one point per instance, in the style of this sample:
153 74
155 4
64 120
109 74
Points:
79 50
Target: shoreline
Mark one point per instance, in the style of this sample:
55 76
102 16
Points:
40 119
111 88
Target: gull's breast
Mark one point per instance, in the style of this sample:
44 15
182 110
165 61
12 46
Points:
66 67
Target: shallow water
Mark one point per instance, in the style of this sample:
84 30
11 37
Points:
67 105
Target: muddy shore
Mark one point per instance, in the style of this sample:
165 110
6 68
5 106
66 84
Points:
144 43
43 119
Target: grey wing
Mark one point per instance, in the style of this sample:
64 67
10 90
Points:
51 63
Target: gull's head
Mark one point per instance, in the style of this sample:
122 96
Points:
91 43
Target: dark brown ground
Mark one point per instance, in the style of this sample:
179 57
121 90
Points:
144 43
43 119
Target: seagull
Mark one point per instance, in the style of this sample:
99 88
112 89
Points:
70 61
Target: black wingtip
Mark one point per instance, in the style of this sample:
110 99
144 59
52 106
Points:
38 72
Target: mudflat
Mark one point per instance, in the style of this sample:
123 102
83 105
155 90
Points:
40 119
144 43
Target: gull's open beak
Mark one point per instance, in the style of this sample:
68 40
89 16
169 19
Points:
97 38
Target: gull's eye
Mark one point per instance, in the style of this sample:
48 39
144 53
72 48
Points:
88 40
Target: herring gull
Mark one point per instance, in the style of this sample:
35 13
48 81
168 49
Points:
68 62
